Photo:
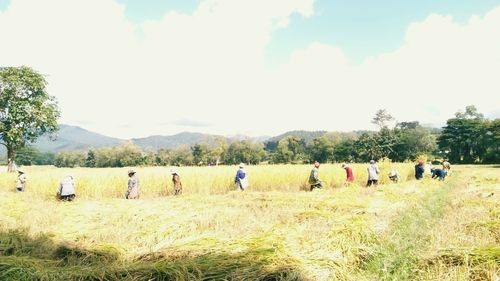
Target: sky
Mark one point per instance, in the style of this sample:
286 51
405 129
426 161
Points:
130 68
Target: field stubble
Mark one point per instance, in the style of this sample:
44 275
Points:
213 233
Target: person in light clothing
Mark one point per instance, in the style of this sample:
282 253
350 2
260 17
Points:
66 190
133 186
373 173
241 178
394 176
21 181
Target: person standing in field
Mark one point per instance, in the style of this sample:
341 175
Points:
21 181
349 174
133 186
66 190
419 170
176 180
314 180
241 178
373 173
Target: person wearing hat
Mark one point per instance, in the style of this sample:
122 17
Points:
349 174
241 178
133 186
419 170
176 180
314 180
373 173
67 189
21 181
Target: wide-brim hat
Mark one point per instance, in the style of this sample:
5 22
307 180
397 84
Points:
174 172
242 165
131 171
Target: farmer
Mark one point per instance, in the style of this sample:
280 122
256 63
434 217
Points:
133 186
21 181
314 180
66 190
419 170
176 180
349 174
439 174
394 176
241 178
373 173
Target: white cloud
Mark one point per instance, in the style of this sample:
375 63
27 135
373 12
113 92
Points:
209 67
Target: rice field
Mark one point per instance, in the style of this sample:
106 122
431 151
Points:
412 230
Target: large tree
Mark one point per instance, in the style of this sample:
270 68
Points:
464 137
27 111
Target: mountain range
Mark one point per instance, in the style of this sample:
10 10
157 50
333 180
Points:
76 138
70 138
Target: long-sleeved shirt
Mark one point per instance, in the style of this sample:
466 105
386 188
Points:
133 187
21 182
67 186
241 178
419 171
373 172
349 174
176 180
240 174
314 177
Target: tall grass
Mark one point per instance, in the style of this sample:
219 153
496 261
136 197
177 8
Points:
156 181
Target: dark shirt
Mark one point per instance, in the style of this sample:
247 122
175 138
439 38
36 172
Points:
419 171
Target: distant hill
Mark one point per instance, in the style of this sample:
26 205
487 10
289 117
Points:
185 138
308 136
74 138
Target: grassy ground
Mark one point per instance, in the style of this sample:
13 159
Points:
426 230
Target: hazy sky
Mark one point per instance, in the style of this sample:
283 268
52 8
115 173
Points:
130 68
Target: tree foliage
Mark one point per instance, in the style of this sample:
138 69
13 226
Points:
27 111
469 138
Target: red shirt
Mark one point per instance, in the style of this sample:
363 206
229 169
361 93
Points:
350 176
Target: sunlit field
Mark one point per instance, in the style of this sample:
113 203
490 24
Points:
276 230
156 181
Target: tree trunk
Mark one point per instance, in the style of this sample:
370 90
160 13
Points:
11 156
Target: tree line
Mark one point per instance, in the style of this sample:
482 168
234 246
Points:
467 138
27 111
